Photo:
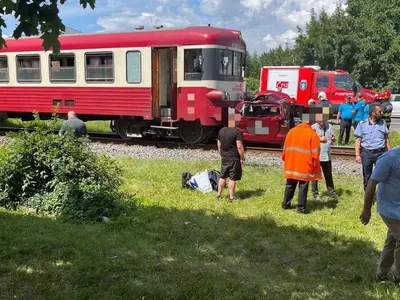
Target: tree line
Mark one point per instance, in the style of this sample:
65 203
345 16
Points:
362 38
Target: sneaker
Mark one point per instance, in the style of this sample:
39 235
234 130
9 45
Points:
302 211
396 280
317 197
334 195
381 278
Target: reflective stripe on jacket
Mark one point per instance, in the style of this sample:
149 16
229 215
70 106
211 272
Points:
301 154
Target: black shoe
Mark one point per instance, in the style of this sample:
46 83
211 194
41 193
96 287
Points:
302 211
218 197
284 206
231 199
381 278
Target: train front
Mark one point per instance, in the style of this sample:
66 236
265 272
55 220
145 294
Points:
213 82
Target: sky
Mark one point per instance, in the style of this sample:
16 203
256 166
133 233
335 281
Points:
265 24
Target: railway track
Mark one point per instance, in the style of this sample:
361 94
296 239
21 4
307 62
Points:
337 151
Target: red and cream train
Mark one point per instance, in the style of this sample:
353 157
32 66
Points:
177 82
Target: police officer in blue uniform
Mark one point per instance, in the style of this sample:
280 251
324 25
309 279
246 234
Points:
371 141
346 118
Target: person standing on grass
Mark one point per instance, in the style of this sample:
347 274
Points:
371 141
300 155
326 135
230 147
387 175
73 125
345 115
358 110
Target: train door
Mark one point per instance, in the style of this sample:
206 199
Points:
164 82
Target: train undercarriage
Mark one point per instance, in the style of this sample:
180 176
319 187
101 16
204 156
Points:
191 132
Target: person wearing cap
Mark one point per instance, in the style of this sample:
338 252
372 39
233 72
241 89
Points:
345 115
387 108
358 110
311 103
371 141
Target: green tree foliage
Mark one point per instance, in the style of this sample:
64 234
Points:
60 176
36 16
363 39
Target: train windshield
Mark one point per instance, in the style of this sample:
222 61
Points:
344 82
214 64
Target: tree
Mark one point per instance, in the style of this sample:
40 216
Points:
32 14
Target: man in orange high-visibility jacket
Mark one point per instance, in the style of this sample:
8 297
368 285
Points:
301 163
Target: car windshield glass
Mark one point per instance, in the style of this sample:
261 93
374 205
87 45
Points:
260 110
344 82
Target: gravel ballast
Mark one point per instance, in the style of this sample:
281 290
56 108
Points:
339 166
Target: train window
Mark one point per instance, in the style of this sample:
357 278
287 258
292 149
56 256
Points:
28 68
4 69
226 62
322 81
133 67
62 68
237 64
99 67
193 64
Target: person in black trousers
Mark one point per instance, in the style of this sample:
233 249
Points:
346 118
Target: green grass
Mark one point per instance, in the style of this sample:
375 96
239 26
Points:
185 245
92 126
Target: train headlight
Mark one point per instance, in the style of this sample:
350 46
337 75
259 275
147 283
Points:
217 95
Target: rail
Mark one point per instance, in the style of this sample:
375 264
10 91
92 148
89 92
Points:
342 152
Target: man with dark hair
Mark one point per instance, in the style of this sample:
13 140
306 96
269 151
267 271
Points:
358 110
371 141
73 125
231 149
345 115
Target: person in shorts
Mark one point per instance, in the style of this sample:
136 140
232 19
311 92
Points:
231 149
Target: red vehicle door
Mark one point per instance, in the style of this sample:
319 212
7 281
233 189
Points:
261 122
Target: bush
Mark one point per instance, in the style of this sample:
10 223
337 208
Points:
59 175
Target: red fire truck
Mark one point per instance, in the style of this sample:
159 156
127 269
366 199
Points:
305 82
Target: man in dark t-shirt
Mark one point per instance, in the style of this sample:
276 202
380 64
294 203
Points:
231 149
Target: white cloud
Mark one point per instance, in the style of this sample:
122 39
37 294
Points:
265 24
274 41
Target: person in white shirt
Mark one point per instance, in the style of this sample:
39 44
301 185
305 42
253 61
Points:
327 136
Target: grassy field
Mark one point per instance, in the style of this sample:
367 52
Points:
181 244
92 126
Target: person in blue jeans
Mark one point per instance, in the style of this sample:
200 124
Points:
346 117
387 176
359 111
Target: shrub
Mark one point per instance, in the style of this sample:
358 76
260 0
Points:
59 175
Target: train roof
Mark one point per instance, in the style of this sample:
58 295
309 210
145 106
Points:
196 35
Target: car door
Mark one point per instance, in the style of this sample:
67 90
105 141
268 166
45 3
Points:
395 100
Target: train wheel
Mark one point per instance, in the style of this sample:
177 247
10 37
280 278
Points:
121 128
192 132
